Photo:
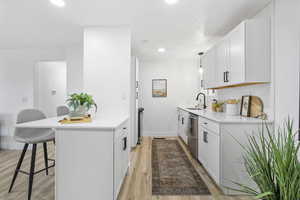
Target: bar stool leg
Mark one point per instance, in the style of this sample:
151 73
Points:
31 173
46 156
18 167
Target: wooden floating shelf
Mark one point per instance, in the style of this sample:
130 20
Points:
239 85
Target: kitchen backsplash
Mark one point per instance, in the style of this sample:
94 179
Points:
263 91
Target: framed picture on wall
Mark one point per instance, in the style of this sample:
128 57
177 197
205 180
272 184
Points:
159 88
245 106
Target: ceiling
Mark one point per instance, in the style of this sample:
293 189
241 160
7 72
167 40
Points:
183 29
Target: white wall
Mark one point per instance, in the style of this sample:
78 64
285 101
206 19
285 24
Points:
74 58
107 60
17 85
160 115
51 85
287 60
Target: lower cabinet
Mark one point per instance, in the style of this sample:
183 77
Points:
209 152
121 157
183 125
221 154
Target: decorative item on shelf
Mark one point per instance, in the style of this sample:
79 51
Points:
217 106
232 107
245 106
80 104
257 107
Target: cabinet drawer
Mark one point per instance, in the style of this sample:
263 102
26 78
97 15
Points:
210 125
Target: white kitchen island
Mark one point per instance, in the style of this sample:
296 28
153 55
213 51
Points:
91 158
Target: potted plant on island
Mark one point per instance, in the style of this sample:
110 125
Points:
271 160
80 104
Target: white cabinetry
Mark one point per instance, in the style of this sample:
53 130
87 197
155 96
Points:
183 125
91 161
243 56
209 149
222 63
209 68
121 157
220 152
236 55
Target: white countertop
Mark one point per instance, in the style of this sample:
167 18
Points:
99 122
222 117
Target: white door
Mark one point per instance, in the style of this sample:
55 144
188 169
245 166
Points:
50 90
237 55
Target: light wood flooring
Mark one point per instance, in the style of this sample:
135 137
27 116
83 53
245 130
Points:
137 185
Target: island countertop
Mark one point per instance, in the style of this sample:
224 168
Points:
101 122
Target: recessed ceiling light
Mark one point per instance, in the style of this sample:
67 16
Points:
59 3
171 2
161 50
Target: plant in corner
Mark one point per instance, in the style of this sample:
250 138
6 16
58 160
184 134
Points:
271 160
80 104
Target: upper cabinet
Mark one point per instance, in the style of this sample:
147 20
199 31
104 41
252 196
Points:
209 68
242 57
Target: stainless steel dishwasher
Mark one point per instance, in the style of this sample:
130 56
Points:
193 135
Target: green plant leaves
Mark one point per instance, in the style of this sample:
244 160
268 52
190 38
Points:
83 99
271 160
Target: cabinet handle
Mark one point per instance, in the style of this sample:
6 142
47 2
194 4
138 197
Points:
224 77
182 120
227 76
205 123
124 128
124 143
205 136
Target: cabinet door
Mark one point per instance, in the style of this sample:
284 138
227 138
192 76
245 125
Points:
118 162
124 152
208 64
209 151
222 62
186 126
201 146
236 71
178 123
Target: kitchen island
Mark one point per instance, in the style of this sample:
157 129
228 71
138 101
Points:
91 158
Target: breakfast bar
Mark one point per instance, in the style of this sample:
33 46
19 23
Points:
91 158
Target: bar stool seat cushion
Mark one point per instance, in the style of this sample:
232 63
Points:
34 136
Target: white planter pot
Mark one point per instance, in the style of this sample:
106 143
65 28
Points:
232 109
79 112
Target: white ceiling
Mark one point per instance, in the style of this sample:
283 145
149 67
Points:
183 29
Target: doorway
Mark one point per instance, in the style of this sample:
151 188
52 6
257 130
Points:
50 86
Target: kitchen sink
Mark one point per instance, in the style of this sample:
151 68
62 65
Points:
194 108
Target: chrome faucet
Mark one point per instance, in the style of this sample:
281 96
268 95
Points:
204 98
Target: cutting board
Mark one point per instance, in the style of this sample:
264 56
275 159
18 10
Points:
69 121
257 106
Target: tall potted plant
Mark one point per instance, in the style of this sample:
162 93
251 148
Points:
80 104
272 162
